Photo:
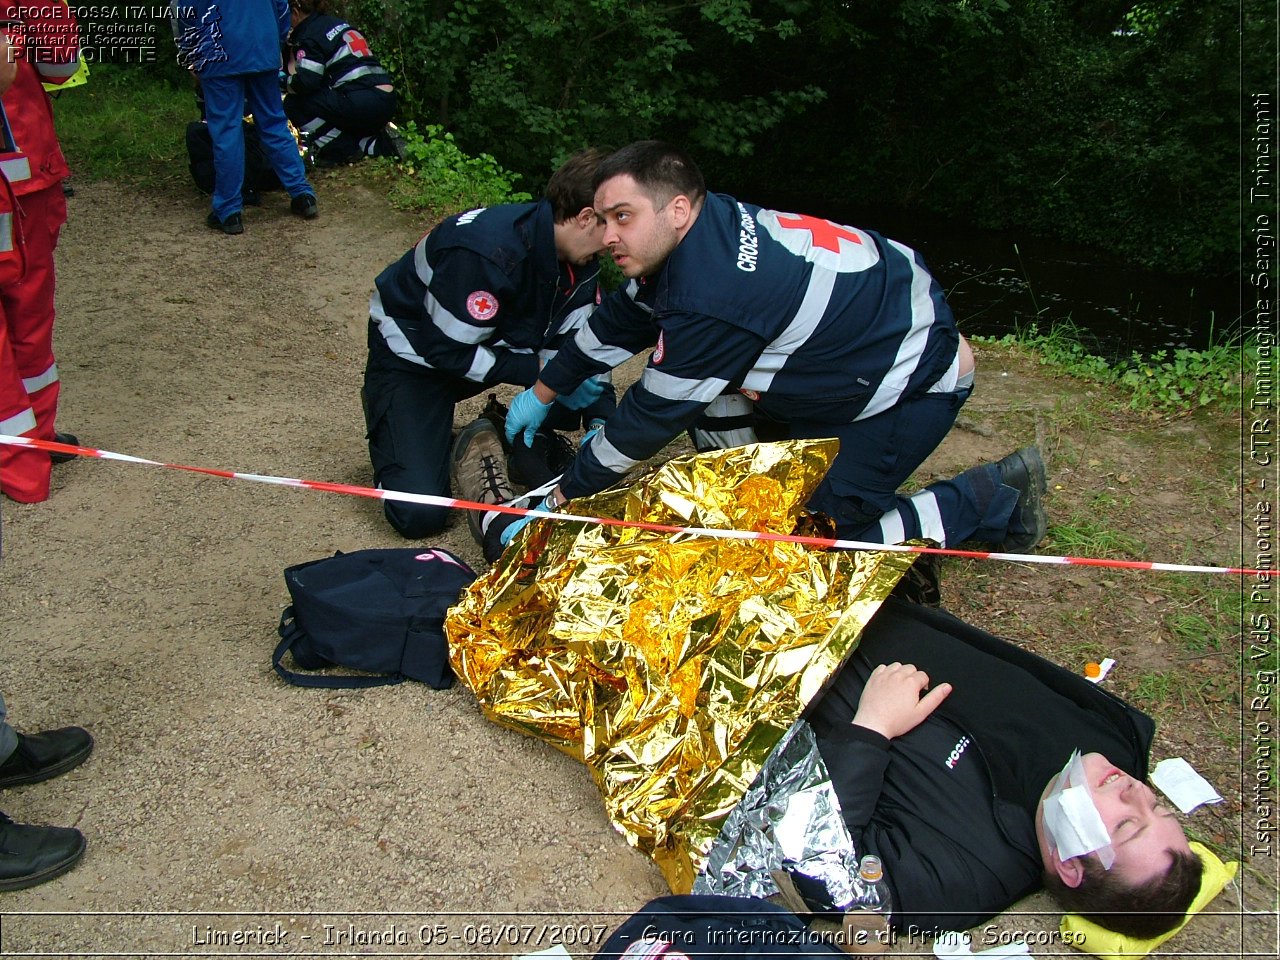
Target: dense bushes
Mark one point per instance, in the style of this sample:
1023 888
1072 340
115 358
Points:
1110 123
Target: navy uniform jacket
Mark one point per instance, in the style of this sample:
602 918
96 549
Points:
329 52
482 296
950 806
810 320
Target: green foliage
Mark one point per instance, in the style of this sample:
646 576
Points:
533 82
126 125
439 178
1097 122
1184 379
1176 382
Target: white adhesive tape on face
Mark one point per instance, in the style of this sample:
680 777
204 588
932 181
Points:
1071 820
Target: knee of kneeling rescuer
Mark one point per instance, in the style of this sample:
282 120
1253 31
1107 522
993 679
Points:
413 521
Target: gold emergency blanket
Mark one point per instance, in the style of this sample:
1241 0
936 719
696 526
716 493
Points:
671 664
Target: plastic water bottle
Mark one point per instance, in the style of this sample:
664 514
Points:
866 922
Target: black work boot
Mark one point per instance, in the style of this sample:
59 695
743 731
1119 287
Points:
1024 471
71 440
30 855
478 471
549 457
40 756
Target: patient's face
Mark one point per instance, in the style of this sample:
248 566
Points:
1143 830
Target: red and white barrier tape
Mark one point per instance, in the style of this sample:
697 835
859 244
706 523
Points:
431 500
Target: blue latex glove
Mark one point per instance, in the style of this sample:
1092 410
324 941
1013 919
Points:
505 537
588 392
592 429
526 414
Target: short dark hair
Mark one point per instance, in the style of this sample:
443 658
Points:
1143 911
659 169
309 6
572 187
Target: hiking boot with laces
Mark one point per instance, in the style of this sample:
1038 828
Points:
478 470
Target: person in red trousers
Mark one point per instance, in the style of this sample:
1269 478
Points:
40 45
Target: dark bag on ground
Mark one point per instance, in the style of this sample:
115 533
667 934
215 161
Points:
378 611
713 927
258 173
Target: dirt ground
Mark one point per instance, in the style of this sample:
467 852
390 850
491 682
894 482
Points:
141 603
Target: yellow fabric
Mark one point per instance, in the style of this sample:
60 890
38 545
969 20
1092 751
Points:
77 79
1109 945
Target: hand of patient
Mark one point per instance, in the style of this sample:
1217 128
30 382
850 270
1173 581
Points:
891 703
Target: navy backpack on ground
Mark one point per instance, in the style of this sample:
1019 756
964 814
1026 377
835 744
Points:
378 611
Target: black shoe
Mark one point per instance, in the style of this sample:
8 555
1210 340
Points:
40 756
1024 471
549 457
71 440
304 205
31 855
233 224
478 470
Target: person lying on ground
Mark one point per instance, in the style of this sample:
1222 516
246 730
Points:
946 746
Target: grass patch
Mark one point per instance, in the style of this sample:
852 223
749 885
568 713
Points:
125 125
1093 536
1164 382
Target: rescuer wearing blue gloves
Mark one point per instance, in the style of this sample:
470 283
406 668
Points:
487 297
763 320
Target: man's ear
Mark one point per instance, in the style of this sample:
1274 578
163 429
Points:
586 218
681 208
1070 872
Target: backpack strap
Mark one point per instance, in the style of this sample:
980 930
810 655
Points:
290 633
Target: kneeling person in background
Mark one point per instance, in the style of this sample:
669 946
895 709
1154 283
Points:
338 95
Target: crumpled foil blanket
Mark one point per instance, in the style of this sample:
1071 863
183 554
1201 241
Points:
671 664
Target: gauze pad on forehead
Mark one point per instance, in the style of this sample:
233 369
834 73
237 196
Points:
1072 823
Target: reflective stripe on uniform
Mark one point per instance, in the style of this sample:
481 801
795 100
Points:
911 349
395 339
16 168
610 457
598 350
41 380
6 232
925 505
817 297
681 389
357 73
891 528
19 423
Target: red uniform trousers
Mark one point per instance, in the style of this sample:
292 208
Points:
28 374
